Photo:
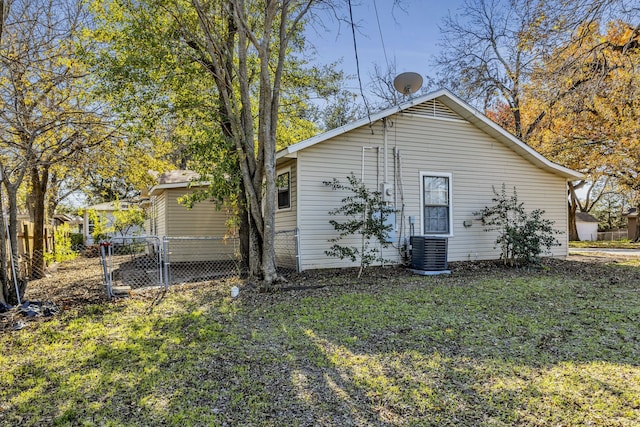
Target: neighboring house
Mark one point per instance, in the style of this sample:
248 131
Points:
167 217
587 226
436 159
105 212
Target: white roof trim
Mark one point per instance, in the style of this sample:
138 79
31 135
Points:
188 184
459 106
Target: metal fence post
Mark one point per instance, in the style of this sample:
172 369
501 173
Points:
165 256
105 267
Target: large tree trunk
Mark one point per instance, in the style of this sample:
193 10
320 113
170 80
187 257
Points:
636 235
39 188
268 250
573 227
573 207
244 236
255 251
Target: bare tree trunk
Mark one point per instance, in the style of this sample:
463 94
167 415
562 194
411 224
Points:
243 235
255 251
11 296
4 265
39 187
636 236
269 233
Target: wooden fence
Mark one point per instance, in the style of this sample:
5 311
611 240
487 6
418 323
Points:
25 239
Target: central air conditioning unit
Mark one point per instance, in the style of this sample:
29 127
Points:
429 255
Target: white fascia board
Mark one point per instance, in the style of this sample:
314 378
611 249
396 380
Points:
156 188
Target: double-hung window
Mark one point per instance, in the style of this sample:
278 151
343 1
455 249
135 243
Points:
436 203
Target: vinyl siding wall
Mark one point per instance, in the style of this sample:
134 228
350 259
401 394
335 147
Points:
475 161
160 203
203 220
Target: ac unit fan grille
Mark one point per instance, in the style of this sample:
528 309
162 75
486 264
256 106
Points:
428 253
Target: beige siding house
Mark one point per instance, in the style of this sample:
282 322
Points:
203 229
436 159
106 214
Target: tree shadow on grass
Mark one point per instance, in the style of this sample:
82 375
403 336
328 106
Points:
470 349
538 348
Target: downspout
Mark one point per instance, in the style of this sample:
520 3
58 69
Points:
385 156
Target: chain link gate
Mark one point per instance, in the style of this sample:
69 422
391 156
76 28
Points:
131 263
136 262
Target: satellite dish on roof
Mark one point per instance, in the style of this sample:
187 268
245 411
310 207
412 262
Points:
407 83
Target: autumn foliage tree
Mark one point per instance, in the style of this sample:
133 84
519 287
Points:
544 71
593 126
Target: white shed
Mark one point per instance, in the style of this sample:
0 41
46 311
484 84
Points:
587 226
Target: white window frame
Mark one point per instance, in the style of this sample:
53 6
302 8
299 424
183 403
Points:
421 186
278 173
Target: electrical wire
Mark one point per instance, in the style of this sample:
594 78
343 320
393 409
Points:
355 49
384 50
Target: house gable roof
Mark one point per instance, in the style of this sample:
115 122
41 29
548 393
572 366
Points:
176 179
111 206
585 217
459 107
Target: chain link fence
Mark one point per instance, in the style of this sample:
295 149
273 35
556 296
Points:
613 235
197 259
287 246
135 262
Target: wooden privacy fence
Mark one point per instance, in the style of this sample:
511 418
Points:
25 239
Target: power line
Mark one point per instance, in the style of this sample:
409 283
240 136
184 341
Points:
384 50
355 48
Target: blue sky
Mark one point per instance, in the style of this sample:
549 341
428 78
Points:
410 36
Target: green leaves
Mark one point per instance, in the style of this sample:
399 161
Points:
366 215
522 236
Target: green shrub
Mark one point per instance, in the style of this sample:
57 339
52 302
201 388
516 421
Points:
77 240
367 216
522 236
63 246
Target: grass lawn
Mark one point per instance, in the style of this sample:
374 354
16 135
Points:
609 244
484 346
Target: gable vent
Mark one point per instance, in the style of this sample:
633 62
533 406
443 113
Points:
433 108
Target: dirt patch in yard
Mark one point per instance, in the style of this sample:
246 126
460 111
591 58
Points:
77 282
80 282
